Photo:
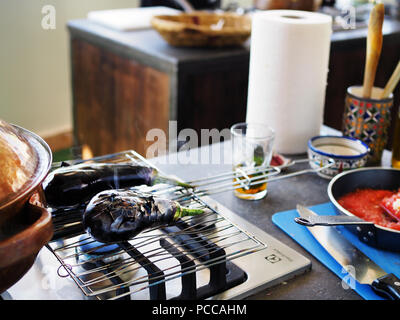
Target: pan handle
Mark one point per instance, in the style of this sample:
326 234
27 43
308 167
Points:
388 285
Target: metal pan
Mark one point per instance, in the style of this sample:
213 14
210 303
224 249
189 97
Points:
374 178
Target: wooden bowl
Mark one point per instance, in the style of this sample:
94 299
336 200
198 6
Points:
203 29
21 240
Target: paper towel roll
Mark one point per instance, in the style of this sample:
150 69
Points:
289 58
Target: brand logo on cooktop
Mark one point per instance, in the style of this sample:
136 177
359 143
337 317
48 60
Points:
273 258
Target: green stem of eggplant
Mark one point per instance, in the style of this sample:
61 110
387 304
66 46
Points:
168 180
183 212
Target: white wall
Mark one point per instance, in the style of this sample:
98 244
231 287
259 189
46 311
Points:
34 63
35 90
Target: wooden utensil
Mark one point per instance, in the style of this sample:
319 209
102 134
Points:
392 83
374 47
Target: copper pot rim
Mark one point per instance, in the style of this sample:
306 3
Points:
45 158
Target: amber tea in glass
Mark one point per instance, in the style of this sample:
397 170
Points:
251 148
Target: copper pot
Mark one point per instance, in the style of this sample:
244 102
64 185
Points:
40 155
19 250
25 224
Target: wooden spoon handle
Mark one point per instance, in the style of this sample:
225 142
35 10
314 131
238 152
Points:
394 79
374 47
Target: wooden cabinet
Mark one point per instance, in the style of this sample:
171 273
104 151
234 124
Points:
116 100
127 83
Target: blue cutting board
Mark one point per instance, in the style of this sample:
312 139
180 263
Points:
388 261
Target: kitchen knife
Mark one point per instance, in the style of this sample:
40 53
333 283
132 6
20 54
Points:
359 266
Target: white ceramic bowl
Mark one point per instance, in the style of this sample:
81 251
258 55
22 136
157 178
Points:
348 154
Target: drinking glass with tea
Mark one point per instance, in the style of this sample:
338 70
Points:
252 145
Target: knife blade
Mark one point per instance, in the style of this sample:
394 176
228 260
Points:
354 261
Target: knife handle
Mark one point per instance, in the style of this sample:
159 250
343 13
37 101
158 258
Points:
388 285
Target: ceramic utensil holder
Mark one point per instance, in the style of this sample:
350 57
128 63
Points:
368 119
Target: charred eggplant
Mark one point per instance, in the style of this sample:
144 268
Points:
120 215
74 186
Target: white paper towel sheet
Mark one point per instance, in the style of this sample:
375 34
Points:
289 57
130 18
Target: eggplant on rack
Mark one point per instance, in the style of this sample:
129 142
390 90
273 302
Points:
74 186
120 215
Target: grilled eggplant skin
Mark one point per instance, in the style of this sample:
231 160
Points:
74 186
115 215
120 215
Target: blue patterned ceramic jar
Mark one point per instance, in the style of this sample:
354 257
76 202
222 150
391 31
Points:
368 120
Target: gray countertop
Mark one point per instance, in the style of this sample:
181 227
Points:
148 47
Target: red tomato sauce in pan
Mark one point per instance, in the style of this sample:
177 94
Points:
365 203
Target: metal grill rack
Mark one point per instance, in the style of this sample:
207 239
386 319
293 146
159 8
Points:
160 262
192 259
